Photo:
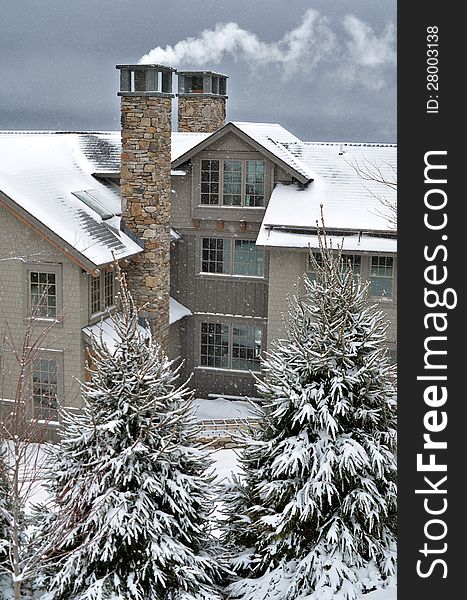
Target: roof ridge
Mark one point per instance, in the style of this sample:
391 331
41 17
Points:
357 144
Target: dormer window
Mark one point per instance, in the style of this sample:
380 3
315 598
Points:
233 182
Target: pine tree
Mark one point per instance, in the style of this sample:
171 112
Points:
314 516
133 500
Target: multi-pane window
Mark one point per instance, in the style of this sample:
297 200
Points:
43 294
381 276
45 388
231 346
254 185
101 292
210 182
354 261
215 345
232 185
246 259
95 295
215 255
109 288
233 182
246 347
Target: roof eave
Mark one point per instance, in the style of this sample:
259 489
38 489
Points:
52 238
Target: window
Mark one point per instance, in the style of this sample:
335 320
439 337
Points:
381 276
96 305
354 261
109 289
232 188
346 260
254 186
247 259
101 292
246 347
233 182
43 294
214 345
45 388
210 182
215 255
231 346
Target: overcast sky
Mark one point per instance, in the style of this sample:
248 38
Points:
325 69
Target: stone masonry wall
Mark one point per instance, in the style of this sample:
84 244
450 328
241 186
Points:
203 114
145 188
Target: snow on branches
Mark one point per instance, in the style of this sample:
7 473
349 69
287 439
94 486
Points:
314 516
132 498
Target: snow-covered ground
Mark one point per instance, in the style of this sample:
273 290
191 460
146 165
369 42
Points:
225 463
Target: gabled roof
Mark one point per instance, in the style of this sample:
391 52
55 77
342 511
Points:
351 205
270 139
46 178
51 181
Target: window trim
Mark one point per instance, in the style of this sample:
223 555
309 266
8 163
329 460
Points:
392 297
243 157
58 357
57 270
365 272
104 310
230 323
228 275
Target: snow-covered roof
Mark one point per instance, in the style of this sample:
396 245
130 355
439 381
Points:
106 327
177 311
350 203
276 139
271 138
54 178
182 142
48 176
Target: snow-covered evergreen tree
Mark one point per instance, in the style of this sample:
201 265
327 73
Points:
314 516
133 500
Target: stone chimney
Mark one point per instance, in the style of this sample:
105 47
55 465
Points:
146 105
202 98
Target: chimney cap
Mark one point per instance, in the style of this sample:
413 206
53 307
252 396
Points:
145 67
202 73
145 80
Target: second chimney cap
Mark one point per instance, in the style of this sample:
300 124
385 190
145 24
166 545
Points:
145 67
202 73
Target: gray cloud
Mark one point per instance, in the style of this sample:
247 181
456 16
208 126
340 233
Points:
325 69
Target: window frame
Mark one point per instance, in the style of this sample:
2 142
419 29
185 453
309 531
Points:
230 325
232 256
310 272
392 278
244 170
103 309
48 355
49 268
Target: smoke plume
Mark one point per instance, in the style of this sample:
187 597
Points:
354 52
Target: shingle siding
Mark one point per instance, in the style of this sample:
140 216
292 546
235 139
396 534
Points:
20 245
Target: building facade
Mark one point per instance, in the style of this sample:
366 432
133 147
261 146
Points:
213 224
